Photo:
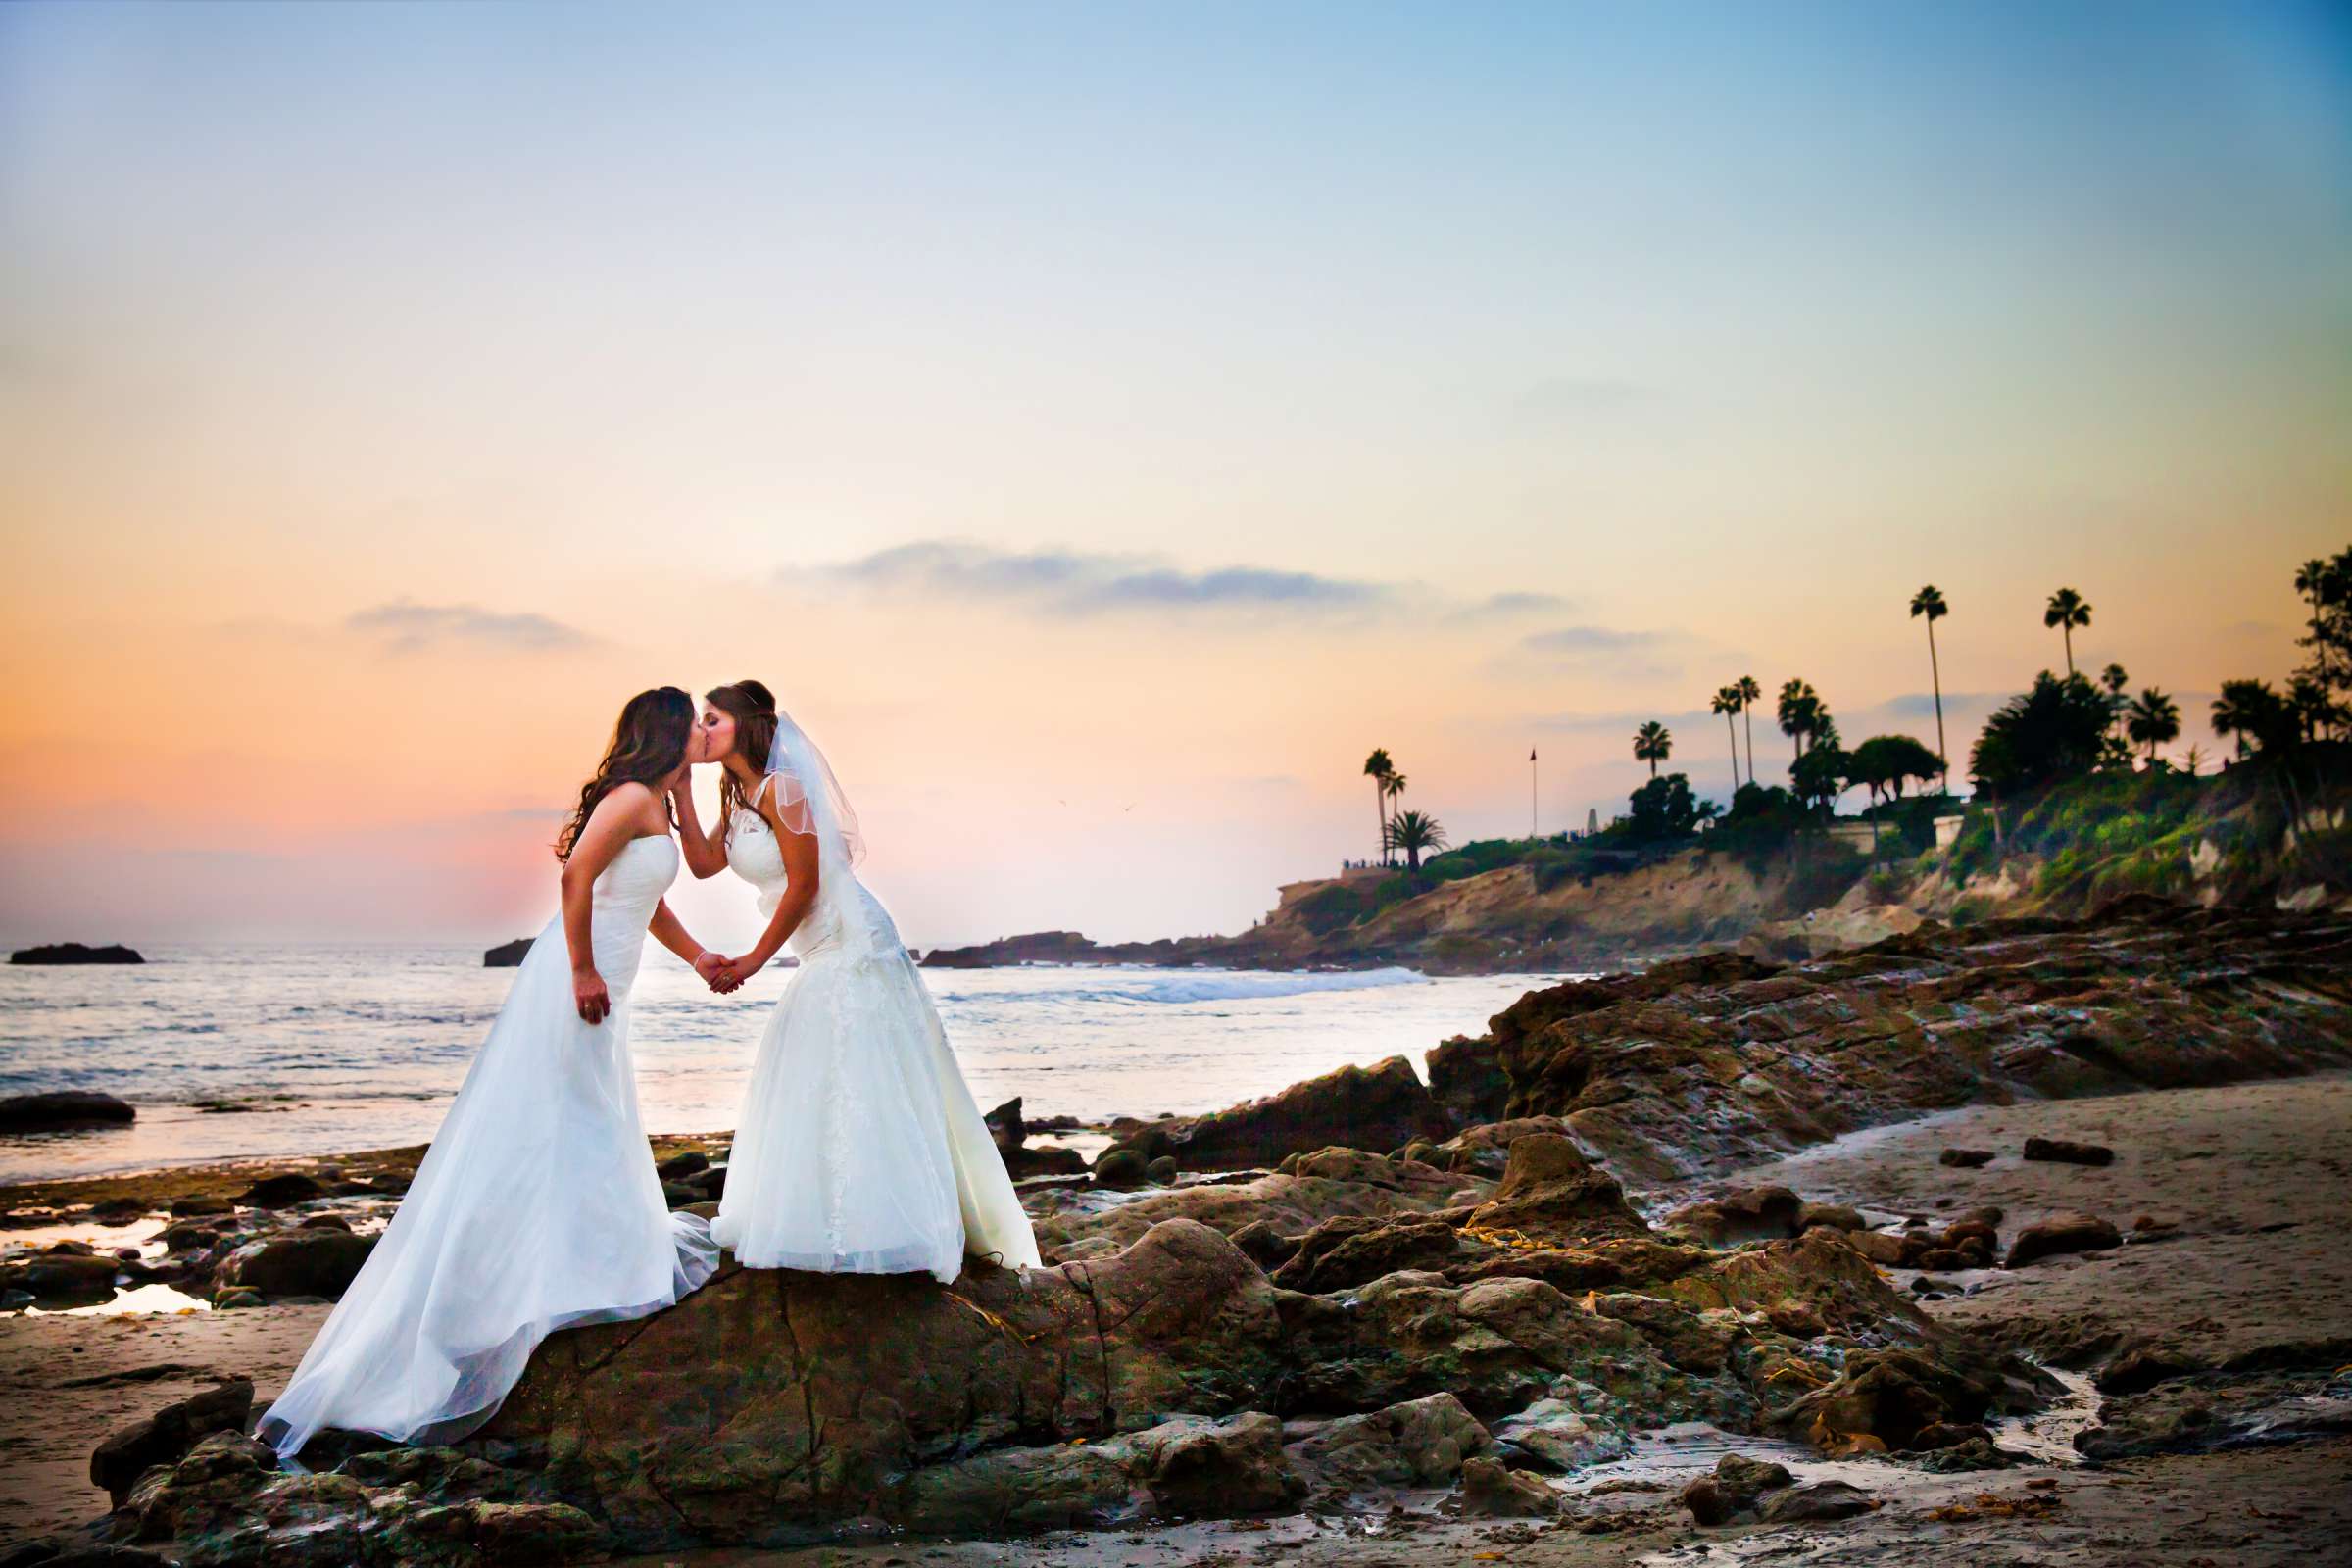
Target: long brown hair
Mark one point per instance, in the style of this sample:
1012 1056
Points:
752 708
648 744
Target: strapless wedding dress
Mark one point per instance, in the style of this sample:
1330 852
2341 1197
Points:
536 1207
859 1149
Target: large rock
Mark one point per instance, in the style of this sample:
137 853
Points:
129 1452
1421 1442
771 1400
63 1108
1551 1194
508 954
1702 1067
74 953
62 1275
2060 1234
1381 1106
296 1262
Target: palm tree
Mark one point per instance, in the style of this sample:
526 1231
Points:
1727 703
2312 583
1392 789
2066 611
2155 721
1654 743
1750 694
1799 712
1378 768
2114 679
1929 602
1412 832
2192 762
2247 709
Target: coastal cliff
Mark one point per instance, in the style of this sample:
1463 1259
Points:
2249 839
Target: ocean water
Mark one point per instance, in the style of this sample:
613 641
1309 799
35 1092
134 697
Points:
236 1052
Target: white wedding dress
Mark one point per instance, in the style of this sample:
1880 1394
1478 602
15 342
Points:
536 1207
860 1150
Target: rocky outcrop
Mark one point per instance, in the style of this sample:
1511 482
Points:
1381 1106
63 1108
1714 1062
75 952
131 1451
300 1261
770 1400
1012 1134
508 954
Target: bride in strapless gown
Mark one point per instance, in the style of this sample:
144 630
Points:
537 1206
860 1150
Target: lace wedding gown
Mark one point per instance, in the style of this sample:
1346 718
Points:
859 1149
536 1207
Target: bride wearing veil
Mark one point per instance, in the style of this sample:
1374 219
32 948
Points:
858 1149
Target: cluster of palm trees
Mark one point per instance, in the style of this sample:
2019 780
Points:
1412 833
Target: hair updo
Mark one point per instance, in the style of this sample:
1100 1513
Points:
752 708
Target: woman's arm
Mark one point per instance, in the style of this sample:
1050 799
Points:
706 853
611 825
801 873
670 932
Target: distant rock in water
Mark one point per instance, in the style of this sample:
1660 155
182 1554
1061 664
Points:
75 952
62 1108
507 954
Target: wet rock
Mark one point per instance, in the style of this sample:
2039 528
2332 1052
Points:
1561 1435
1970 1455
163 1438
1744 1214
1381 1106
191 1204
1163 1170
63 1110
296 1262
282 1191
1965 1159
1121 1167
2141 1367
235 1296
1353 1250
1485 1150
1551 1194
2066 1152
325 1222
1836 1217
1710 1504
2062 1234
1016 1491
1732 1488
1491 1492
1690 1342
1817 1503
688 1162
1267 1246
1421 1442
63 1276
1497 1344
1200 1468
1887 1252
1902 1398
677 1195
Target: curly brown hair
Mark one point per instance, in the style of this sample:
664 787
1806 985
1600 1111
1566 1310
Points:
752 708
648 744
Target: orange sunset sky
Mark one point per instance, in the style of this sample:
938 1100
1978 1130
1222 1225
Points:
1104 427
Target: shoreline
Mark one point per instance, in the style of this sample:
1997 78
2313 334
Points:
2205 1160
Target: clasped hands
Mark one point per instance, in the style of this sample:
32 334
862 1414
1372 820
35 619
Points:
723 974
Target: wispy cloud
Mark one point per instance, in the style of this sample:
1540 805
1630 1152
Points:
406 628
1072 583
1605 650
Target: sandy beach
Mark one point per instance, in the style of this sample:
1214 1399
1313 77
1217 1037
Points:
2236 1267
